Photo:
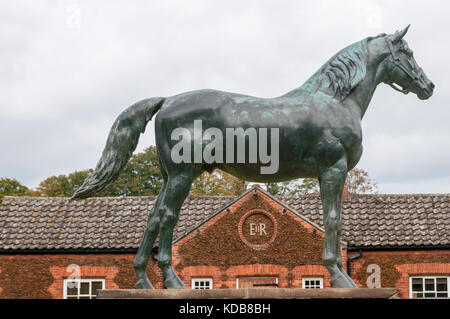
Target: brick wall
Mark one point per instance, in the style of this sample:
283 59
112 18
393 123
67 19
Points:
41 276
216 250
295 252
396 267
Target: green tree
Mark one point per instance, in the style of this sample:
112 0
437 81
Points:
62 185
305 186
282 188
217 183
358 181
140 177
12 187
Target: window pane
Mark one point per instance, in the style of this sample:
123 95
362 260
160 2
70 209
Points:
429 284
72 288
85 297
312 283
430 295
201 284
84 288
72 297
442 295
441 284
417 284
96 285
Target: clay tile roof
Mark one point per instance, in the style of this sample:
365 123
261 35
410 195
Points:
116 223
386 220
38 223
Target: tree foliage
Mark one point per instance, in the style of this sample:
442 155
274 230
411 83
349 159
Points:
358 181
305 186
217 183
62 185
12 187
142 177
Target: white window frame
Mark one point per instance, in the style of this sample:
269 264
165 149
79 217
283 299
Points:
423 283
80 280
320 279
255 277
208 280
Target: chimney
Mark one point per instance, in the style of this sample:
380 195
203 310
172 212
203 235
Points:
345 192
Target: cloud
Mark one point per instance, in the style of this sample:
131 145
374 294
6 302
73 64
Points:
63 85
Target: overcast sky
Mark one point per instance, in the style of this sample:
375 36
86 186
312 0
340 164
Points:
68 68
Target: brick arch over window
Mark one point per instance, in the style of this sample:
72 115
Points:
191 272
256 271
308 271
61 273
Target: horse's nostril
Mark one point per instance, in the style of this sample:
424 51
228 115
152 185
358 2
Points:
432 85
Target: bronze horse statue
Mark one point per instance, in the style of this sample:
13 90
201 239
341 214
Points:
319 126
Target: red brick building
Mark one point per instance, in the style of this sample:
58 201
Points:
224 242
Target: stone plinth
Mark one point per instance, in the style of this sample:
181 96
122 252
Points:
250 293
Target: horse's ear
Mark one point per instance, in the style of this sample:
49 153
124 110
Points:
397 36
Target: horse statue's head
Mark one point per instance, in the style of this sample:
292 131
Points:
402 69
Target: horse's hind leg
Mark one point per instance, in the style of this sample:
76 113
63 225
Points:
178 186
143 254
341 266
332 181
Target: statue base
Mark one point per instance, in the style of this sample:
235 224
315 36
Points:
251 293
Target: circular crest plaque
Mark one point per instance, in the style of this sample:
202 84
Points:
257 229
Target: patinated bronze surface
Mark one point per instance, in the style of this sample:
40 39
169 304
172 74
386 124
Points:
319 136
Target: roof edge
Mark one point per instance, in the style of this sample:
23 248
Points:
134 250
295 212
265 193
218 211
57 251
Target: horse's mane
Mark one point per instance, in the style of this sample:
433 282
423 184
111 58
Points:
347 69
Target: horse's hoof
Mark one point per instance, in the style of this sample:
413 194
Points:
174 283
171 280
349 280
347 277
143 284
340 282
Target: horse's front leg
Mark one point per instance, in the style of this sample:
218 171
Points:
332 181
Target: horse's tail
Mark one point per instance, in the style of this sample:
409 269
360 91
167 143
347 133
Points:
121 143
